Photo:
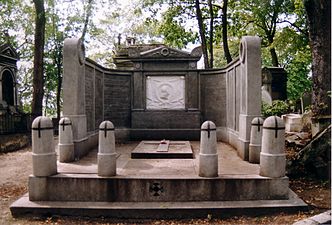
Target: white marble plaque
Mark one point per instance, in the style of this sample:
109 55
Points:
165 92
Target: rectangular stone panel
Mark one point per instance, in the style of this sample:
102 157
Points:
89 97
175 119
165 92
213 98
99 114
117 98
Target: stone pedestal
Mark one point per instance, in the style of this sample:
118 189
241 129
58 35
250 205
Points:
106 150
43 152
66 145
255 139
273 157
208 157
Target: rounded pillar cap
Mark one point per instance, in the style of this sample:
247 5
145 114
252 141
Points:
65 120
274 122
208 125
106 124
42 122
257 120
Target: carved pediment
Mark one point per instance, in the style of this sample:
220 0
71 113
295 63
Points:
163 52
9 51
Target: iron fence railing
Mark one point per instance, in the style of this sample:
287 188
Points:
15 123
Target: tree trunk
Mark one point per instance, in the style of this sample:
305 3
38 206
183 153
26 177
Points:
211 33
274 57
86 21
38 65
224 32
319 21
58 60
202 33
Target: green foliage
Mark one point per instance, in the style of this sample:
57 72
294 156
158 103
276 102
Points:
151 21
277 108
173 30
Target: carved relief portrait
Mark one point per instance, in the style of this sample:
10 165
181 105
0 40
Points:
165 92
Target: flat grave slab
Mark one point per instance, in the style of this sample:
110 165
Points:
164 149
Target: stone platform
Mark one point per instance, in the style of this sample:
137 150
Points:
157 188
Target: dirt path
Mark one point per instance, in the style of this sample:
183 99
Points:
16 167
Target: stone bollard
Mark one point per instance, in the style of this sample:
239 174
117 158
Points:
273 157
106 150
255 139
43 152
208 157
66 144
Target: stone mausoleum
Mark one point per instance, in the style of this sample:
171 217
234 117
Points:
203 147
8 69
159 93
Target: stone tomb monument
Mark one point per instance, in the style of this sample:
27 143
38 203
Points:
157 93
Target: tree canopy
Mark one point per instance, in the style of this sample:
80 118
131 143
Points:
216 25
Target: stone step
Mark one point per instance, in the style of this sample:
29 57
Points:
155 210
91 187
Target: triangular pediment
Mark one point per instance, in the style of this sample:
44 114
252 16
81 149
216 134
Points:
8 51
163 51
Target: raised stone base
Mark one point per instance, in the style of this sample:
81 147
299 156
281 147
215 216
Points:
91 187
156 210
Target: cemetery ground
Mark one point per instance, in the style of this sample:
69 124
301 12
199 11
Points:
17 166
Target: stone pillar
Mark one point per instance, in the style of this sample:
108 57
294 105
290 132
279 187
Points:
43 152
74 91
273 157
208 157
106 150
250 97
1 75
255 139
66 145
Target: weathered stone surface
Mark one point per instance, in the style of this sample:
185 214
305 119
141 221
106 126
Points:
156 150
106 150
117 99
255 139
66 144
273 157
250 94
165 92
43 152
208 157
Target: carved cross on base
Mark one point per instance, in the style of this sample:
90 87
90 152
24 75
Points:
276 128
63 124
39 128
105 129
258 124
209 129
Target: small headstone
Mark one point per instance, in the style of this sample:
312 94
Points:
273 157
208 157
66 144
43 152
255 139
266 97
106 150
